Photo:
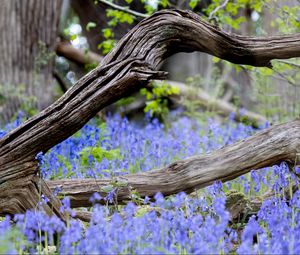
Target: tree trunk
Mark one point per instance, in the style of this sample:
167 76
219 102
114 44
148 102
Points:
283 95
130 65
90 11
27 42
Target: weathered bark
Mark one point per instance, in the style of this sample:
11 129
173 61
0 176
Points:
27 41
186 93
267 148
128 67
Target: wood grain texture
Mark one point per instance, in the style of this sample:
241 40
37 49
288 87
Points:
267 148
128 67
222 107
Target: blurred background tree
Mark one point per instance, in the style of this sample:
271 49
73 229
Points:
29 31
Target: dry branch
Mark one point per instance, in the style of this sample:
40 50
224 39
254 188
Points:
237 204
269 147
130 65
79 56
220 106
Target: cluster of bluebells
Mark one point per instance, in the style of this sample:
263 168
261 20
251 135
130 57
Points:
179 224
140 148
276 228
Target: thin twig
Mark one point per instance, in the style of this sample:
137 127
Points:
124 9
210 17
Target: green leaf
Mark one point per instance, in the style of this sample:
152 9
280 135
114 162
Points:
73 37
266 71
98 154
193 3
108 188
90 25
107 33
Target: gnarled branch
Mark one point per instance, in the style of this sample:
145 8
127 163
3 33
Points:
130 65
220 106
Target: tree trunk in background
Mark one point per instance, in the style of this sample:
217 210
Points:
89 11
286 97
243 78
27 41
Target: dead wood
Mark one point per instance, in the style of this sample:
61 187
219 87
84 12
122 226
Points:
241 208
81 57
238 205
214 104
268 147
222 107
128 67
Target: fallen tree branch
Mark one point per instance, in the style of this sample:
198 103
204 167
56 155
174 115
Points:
239 207
220 106
79 56
268 147
128 67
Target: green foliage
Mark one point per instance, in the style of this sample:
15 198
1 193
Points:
193 3
230 14
116 17
163 3
28 103
97 154
90 25
67 165
156 98
119 17
13 238
266 94
107 33
287 20
108 44
43 57
125 101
